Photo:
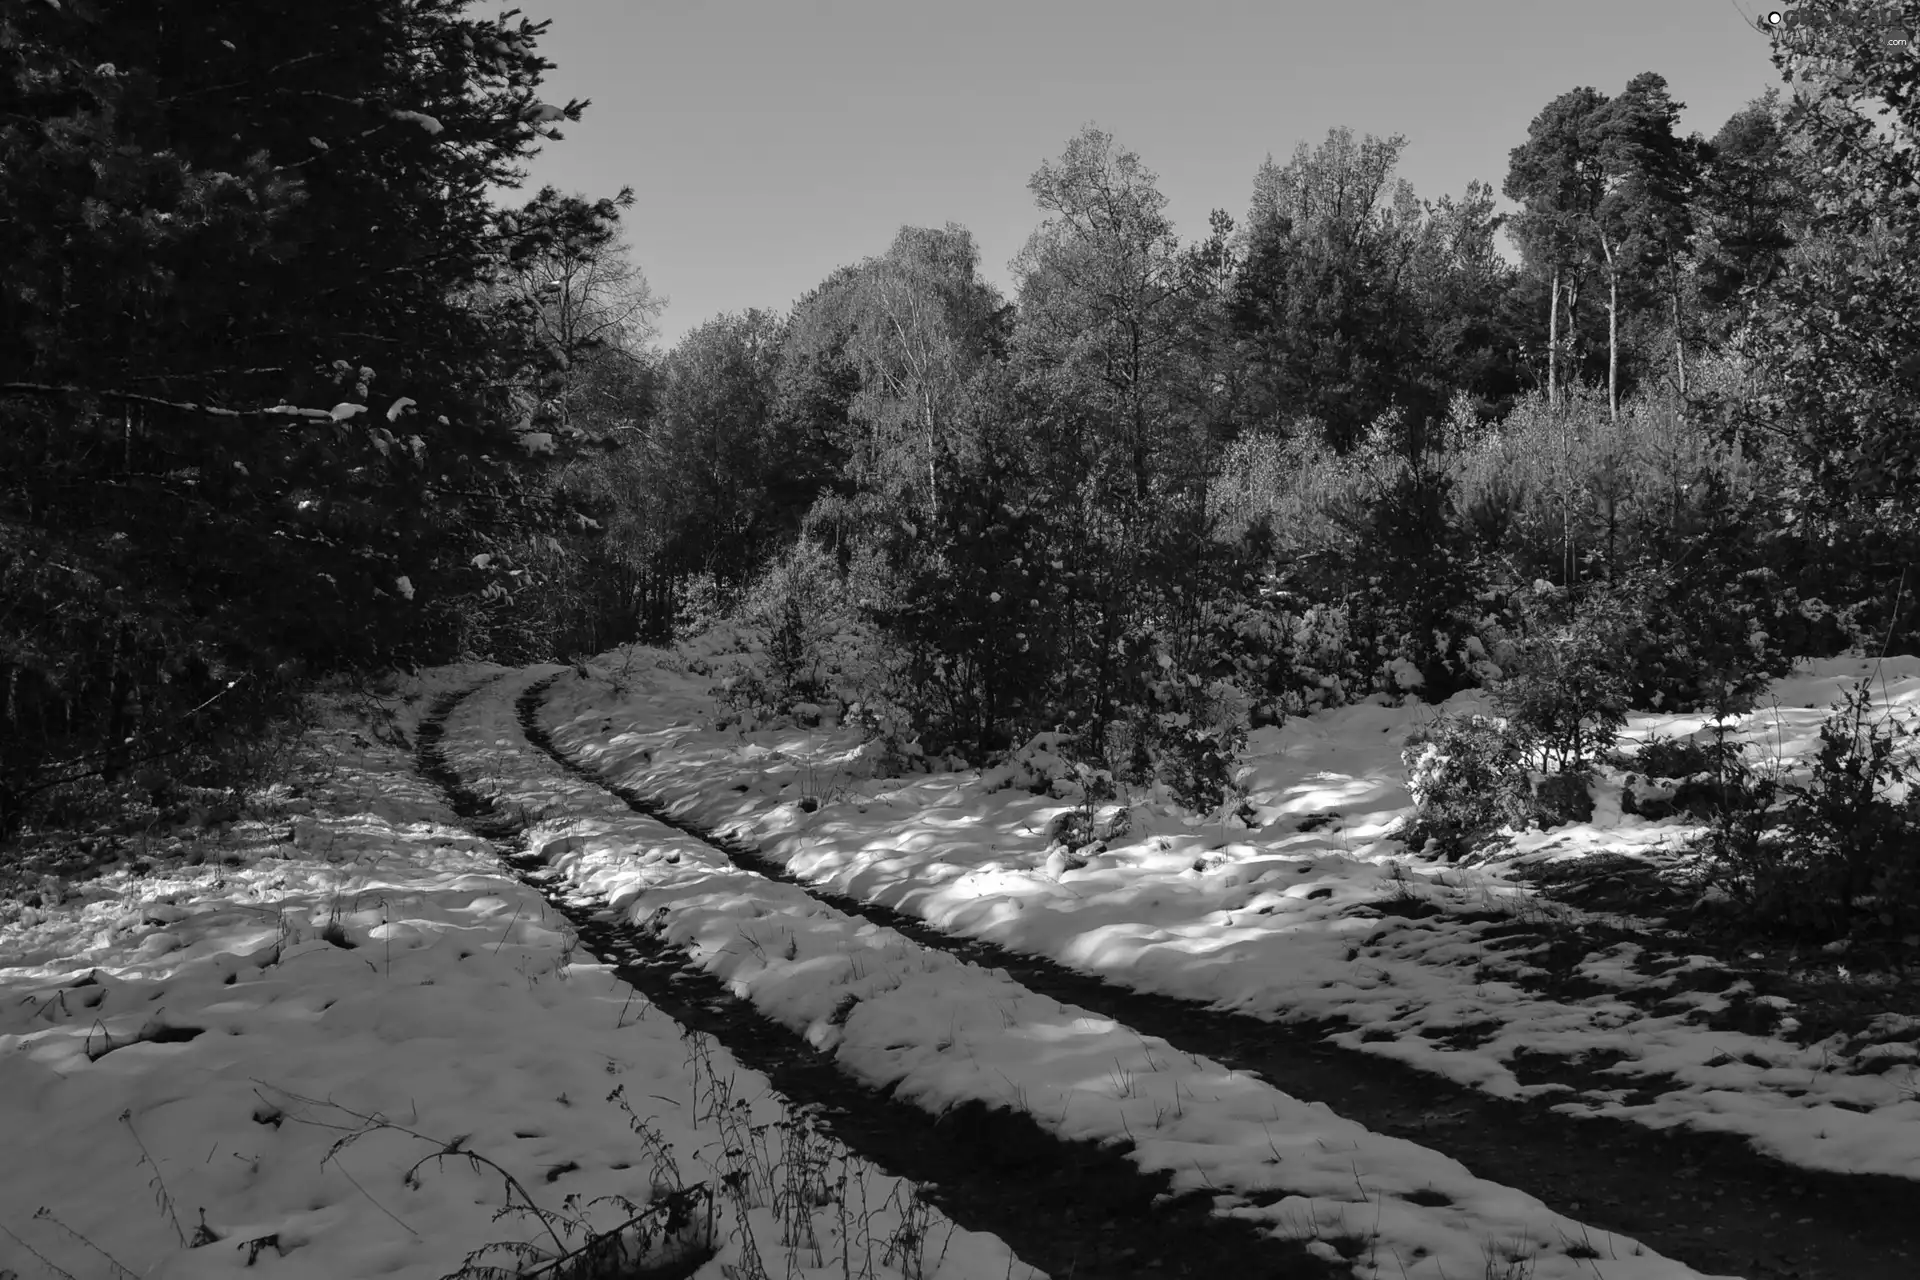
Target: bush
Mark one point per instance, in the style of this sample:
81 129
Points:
1560 798
1427 568
798 603
1674 758
1570 690
1840 855
1705 641
1862 844
1196 761
1188 729
969 614
1468 777
1290 656
699 604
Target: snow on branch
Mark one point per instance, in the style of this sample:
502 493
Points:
335 414
420 118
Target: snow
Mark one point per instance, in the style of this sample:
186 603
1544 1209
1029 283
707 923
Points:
937 1031
1283 922
464 1011
425 121
460 1010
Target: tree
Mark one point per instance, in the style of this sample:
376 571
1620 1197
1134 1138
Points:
1353 296
1752 205
921 322
583 312
576 295
1558 179
1322 295
1217 397
708 447
819 451
1837 337
1644 222
1460 284
1103 300
1106 380
216 229
1332 192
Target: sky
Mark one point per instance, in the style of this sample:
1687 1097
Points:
772 141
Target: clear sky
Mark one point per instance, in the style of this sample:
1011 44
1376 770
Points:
771 141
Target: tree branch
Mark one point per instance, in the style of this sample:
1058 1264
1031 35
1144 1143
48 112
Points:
130 397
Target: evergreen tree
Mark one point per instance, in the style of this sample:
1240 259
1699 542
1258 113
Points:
228 225
1753 205
1557 178
1644 223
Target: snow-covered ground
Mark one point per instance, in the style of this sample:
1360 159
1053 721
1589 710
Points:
183 1052
1293 919
186 1038
939 1032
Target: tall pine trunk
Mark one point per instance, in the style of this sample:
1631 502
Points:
1553 341
1613 333
1573 330
1679 338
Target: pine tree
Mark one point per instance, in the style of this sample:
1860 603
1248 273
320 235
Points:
251 424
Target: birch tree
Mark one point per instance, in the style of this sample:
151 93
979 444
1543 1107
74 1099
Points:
921 323
1104 298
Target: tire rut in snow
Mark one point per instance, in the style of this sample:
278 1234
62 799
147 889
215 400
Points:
1707 1199
1069 1208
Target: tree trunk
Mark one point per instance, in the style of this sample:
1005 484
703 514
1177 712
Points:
1679 342
1573 329
933 492
1566 503
1553 341
1613 333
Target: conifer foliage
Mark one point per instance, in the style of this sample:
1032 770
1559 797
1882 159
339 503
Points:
250 421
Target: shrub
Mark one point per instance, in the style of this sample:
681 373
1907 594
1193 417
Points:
1430 569
1189 724
1862 844
1196 761
1660 757
1840 855
699 604
1289 655
799 605
968 613
1704 641
793 657
1561 798
1468 778
1570 690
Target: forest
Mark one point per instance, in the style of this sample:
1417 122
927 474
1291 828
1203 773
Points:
1378 743
287 396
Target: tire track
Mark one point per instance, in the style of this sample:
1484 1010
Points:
1072 1209
1707 1199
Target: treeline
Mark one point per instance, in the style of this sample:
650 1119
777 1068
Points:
1339 446
269 385
1167 491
